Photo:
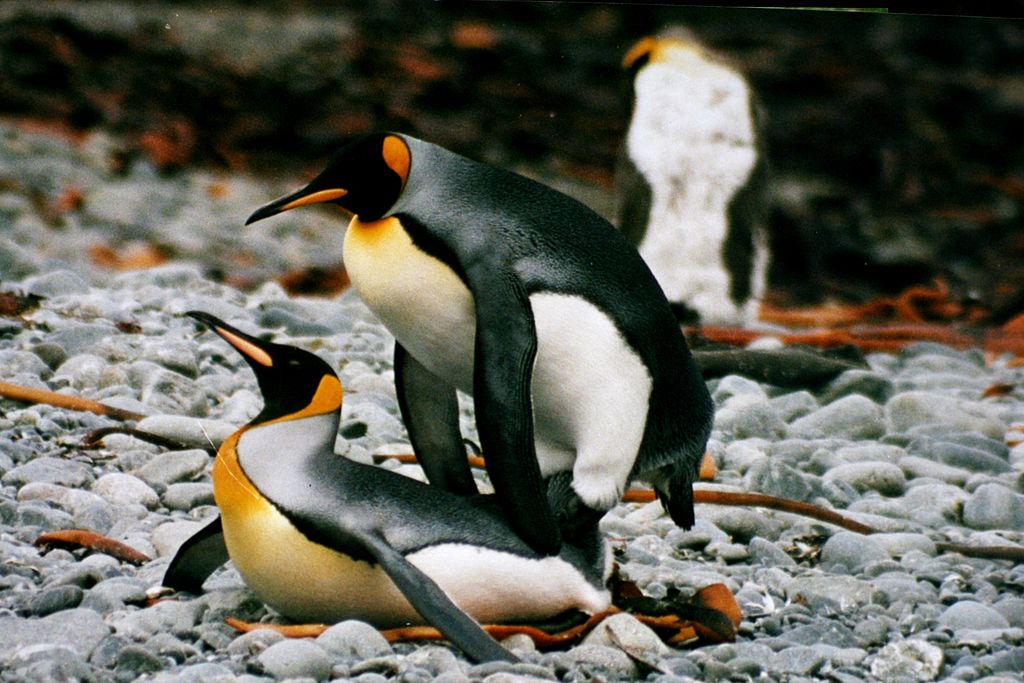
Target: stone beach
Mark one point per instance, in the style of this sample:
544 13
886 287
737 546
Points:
914 446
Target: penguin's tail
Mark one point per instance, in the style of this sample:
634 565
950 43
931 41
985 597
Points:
677 499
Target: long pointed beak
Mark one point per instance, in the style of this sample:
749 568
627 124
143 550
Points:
251 348
303 197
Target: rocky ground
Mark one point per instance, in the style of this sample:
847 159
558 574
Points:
924 446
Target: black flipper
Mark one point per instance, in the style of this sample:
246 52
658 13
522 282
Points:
433 604
197 558
430 409
506 344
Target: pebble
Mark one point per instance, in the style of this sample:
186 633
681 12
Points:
173 466
69 473
912 659
300 658
851 417
78 629
886 478
125 489
968 615
993 506
629 635
188 495
849 553
354 639
913 408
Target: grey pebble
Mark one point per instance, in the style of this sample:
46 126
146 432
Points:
993 506
899 544
55 599
78 628
188 495
919 467
1012 608
765 552
908 659
125 489
839 593
799 660
300 658
850 417
253 642
913 408
849 553
749 420
173 466
44 662
69 473
354 639
172 616
625 632
968 615
598 660
56 283
776 478
886 478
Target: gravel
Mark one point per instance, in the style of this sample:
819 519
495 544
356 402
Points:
900 446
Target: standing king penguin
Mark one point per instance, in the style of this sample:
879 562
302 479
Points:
322 538
690 184
530 302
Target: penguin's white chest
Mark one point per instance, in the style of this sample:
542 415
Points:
590 389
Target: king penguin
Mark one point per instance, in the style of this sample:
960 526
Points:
691 180
322 538
525 299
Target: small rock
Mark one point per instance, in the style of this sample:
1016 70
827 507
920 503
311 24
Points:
911 659
851 417
912 408
125 489
884 477
837 593
188 495
849 552
629 635
254 642
45 662
174 466
966 457
69 473
56 283
764 551
915 467
354 639
994 507
80 629
968 615
776 478
899 544
600 660
794 405
296 659
1012 608
55 599
799 660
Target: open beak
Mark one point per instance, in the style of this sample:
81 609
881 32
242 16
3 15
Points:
303 197
251 348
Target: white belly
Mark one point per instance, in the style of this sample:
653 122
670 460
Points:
590 389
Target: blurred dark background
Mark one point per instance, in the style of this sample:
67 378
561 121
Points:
894 140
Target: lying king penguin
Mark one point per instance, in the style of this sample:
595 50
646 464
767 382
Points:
538 308
322 538
691 180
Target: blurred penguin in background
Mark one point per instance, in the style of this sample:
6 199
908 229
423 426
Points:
690 184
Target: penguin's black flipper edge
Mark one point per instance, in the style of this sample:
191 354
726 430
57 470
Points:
430 410
197 558
506 345
433 604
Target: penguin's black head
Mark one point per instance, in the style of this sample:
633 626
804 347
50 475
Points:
365 178
294 383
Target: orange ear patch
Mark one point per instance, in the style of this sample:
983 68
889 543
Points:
397 156
643 47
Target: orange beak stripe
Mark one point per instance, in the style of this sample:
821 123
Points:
246 348
315 198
